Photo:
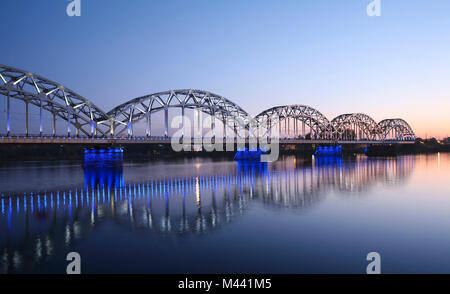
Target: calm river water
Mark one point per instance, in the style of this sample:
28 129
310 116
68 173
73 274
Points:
315 215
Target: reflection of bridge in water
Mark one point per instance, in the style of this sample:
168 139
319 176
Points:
40 224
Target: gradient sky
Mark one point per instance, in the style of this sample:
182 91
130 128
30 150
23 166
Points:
324 53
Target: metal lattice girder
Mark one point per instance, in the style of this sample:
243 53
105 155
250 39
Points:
143 107
82 114
306 114
344 123
398 126
54 98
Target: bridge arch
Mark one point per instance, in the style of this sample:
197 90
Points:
82 116
395 129
354 126
50 96
299 117
135 110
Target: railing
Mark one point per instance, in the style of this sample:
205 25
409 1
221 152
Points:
18 139
80 138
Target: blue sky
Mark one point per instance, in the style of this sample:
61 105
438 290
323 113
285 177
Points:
324 53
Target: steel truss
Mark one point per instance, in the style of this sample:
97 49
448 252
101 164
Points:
79 113
350 127
135 110
54 98
318 124
395 129
353 126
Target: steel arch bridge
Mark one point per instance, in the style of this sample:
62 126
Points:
355 126
395 129
296 118
52 97
82 119
126 115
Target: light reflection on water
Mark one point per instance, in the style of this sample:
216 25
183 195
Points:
192 198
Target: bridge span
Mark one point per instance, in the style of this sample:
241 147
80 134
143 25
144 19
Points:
168 140
35 106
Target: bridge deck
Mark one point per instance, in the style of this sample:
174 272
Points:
167 140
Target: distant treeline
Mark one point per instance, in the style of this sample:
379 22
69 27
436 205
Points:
431 145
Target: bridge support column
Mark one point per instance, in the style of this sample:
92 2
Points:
130 129
111 128
279 128
93 128
8 118
182 121
149 125
166 121
68 125
199 122
288 127
54 124
213 125
26 119
295 127
303 129
41 119
77 130
224 132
